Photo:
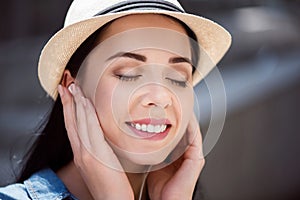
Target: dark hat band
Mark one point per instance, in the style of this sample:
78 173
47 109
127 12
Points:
141 5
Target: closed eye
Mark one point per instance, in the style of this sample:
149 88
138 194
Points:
178 83
127 77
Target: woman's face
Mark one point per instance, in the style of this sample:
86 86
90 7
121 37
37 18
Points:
143 96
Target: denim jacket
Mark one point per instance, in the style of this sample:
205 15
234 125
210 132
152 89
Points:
42 185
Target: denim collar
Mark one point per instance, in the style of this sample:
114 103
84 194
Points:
46 185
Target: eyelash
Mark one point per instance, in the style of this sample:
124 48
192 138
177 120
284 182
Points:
127 78
134 78
178 83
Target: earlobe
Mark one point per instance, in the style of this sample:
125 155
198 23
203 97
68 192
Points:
67 79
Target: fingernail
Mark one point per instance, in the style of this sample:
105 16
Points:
71 88
60 90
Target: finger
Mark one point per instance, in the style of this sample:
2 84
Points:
99 145
195 139
193 161
69 116
93 122
90 132
81 120
193 157
192 137
89 129
193 129
188 175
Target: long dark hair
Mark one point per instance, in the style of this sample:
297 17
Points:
52 147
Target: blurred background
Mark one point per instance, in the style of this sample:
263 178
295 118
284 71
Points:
257 154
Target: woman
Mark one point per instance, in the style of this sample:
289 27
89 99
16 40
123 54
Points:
122 126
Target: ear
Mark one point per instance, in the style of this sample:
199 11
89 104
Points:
67 79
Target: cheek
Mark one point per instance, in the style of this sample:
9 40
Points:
187 102
102 101
111 104
184 101
122 95
185 108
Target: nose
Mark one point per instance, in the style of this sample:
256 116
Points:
157 96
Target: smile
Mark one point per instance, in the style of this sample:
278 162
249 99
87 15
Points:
149 127
152 129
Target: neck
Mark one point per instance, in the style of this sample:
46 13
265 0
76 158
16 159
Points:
72 179
136 175
137 183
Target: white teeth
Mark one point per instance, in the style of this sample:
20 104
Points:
163 128
144 127
157 129
138 127
150 128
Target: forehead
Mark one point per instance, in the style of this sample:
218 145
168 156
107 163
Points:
140 21
153 39
141 31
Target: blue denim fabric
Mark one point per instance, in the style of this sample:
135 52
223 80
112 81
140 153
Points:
42 185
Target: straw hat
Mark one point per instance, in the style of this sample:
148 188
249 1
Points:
86 16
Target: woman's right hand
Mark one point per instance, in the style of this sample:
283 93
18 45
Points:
86 138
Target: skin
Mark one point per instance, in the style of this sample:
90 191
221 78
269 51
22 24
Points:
85 121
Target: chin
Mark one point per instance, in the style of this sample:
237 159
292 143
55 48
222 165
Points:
140 162
149 158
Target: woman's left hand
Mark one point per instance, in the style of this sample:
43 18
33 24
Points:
178 180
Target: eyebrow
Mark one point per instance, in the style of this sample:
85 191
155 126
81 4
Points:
129 55
142 58
175 60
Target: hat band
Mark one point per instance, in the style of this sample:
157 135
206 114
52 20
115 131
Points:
141 5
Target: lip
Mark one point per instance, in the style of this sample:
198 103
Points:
150 136
152 121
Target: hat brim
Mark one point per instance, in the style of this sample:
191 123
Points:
213 39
